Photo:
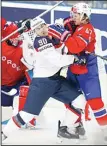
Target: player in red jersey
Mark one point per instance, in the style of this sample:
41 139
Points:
79 37
13 70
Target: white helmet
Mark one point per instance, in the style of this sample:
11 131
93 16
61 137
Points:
36 23
81 8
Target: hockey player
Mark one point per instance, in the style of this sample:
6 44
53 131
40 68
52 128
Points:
80 38
13 70
46 81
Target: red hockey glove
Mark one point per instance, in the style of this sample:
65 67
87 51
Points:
69 24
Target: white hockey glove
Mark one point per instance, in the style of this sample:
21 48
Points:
59 22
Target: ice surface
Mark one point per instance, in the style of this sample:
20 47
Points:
46 131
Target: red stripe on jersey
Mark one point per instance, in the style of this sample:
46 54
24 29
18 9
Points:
54 33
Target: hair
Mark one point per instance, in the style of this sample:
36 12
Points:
85 17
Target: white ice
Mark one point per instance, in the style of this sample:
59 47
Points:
46 131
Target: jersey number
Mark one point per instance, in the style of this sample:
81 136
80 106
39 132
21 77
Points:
42 42
88 31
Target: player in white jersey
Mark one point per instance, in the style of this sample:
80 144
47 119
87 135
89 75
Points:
46 81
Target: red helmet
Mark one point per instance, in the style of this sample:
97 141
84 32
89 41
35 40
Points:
11 28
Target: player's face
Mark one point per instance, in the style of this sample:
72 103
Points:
76 18
45 30
42 30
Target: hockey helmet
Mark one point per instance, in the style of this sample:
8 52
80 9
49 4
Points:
11 28
81 8
37 23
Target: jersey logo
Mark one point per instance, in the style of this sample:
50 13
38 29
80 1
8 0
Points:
44 47
13 65
88 94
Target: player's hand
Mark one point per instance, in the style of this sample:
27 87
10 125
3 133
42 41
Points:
58 32
25 23
69 24
59 22
76 59
80 60
67 20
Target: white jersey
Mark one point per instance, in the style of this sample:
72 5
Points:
48 61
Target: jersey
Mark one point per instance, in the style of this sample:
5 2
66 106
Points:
88 76
48 61
12 68
83 39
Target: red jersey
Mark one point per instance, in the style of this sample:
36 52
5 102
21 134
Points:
83 39
12 68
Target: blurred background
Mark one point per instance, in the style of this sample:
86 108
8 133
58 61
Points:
93 4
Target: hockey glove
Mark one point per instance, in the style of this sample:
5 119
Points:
59 22
58 33
79 66
69 24
79 60
26 23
